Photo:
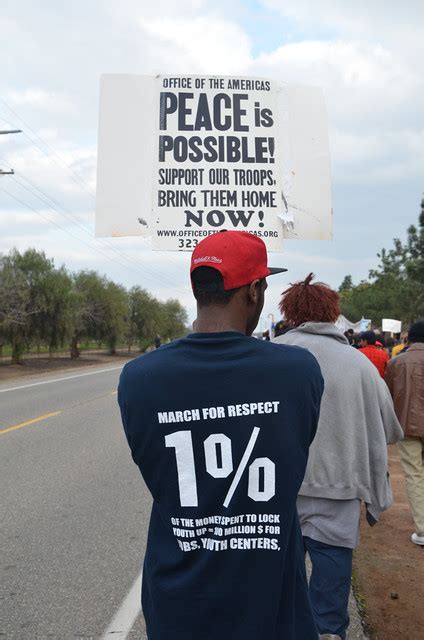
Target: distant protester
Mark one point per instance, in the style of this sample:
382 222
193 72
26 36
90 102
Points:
348 458
389 343
375 353
281 328
349 335
356 339
402 341
405 378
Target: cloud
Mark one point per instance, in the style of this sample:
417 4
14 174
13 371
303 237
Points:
15 222
354 66
39 99
393 157
374 103
381 21
202 44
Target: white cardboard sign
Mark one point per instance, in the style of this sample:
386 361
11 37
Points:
181 157
392 326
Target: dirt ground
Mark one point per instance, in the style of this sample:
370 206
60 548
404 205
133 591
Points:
34 366
389 569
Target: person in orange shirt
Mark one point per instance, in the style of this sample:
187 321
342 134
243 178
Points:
377 356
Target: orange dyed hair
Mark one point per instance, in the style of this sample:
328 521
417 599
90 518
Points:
306 302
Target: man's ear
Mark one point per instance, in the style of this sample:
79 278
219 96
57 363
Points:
253 292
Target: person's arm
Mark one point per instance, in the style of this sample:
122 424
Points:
387 360
389 377
316 393
125 401
391 425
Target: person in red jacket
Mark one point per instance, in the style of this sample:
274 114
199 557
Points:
377 356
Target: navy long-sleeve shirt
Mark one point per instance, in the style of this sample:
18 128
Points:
220 426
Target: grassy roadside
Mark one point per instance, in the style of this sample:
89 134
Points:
44 365
362 605
87 347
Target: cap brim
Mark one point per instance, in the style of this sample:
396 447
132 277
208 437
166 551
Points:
274 270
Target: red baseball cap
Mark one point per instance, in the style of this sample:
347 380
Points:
239 256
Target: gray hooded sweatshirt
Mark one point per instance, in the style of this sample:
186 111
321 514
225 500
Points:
348 458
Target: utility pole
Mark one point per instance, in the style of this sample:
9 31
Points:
5 132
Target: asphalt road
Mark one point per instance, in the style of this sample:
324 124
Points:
75 510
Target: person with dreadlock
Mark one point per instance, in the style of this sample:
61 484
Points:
348 458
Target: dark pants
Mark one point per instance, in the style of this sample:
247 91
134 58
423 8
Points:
329 585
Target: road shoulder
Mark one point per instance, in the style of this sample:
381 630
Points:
389 567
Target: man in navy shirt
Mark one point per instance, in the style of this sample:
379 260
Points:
220 425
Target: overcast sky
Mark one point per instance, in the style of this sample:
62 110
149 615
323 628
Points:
367 56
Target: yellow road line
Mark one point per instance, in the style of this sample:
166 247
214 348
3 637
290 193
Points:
28 422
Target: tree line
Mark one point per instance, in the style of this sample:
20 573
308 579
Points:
395 289
41 305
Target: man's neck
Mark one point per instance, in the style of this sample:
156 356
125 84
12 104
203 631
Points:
213 320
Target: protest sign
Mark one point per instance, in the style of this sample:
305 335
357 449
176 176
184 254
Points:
181 157
392 326
365 324
344 324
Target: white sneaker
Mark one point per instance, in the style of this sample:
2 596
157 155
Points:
416 539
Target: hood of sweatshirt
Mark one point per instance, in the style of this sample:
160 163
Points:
322 329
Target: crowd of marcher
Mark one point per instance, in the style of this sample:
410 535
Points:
348 458
292 432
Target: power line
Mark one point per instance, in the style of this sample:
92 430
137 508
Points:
76 178
79 180
105 255
142 268
74 175
25 204
64 211
46 195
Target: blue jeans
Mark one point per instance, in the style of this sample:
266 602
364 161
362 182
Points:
329 586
